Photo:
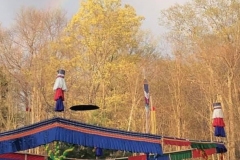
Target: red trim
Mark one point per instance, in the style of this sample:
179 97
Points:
140 157
176 142
196 153
22 156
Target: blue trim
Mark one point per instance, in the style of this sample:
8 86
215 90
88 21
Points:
79 138
28 142
79 124
84 139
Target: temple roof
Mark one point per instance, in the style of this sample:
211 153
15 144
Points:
59 129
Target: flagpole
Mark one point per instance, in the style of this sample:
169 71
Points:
153 117
147 101
147 117
130 118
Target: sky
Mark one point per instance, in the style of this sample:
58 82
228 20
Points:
150 9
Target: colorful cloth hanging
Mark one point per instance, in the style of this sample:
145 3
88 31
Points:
176 142
203 145
218 122
139 157
59 88
181 155
221 148
196 153
146 94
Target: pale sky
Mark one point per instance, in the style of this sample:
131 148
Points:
150 9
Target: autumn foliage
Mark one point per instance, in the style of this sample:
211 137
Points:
106 56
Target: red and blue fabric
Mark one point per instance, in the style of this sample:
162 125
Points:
146 94
218 122
59 88
59 129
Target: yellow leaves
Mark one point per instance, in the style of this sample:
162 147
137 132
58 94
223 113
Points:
104 21
212 11
95 34
92 50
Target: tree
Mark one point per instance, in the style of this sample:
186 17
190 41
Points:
97 36
27 55
210 30
8 97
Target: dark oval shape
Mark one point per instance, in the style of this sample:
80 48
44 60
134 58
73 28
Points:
84 107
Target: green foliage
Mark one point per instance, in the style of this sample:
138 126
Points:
61 151
58 153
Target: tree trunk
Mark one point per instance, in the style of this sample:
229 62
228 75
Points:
231 134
